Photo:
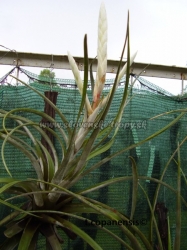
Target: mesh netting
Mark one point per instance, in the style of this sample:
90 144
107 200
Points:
151 157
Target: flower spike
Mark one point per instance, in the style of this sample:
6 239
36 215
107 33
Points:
101 56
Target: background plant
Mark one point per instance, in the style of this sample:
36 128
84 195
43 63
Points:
46 75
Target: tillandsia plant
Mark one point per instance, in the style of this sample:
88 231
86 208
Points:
49 200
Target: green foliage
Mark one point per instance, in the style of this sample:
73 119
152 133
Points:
47 75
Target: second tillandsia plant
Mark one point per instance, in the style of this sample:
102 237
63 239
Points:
49 200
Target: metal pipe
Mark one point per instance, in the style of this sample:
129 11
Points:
61 62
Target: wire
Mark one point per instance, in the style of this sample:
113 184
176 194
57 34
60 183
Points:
10 50
5 76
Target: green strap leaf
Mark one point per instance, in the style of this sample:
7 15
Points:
178 210
92 77
16 228
78 231
47 100
11 244
21 147
134 186
53 221
117 216
7 186
16 208
52 239
169 235
28 234
101 150
98 164
61 172
153 216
